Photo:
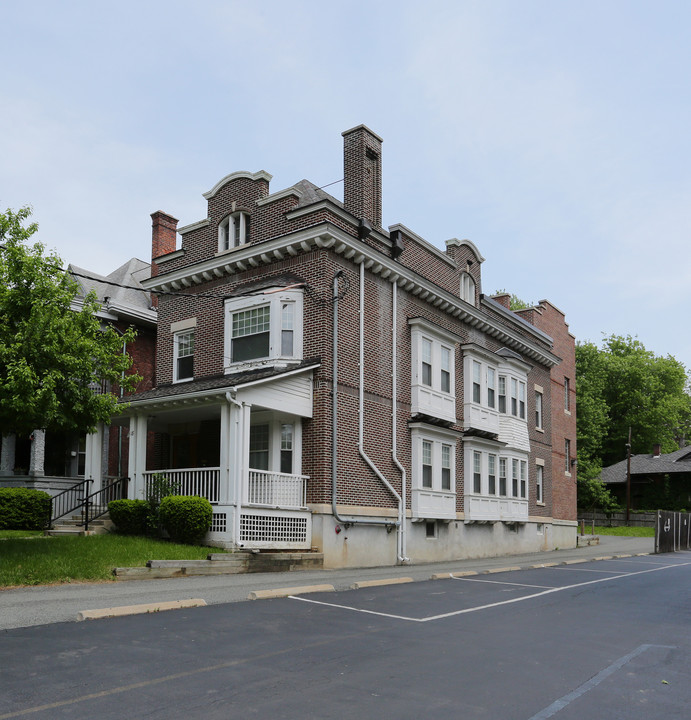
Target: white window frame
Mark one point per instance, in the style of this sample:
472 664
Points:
433 369
233 231
276 423
540 482
181 350
467 288
567 399
539 409
480 399
278 327
495 500
435 501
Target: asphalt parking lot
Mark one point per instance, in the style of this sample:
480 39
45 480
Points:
600 639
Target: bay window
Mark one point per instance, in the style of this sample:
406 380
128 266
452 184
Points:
434 472
433 370
263 329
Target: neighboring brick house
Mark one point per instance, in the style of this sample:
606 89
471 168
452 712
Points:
53 461
328 383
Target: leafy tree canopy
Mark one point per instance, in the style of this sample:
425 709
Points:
622 385
52 354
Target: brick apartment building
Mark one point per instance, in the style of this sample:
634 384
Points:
331 384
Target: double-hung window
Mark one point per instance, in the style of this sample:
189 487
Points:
538 410
434 471
433 370
502 394
539 483
477 382
250 334
183 350
491 386
263 328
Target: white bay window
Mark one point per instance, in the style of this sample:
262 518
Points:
434 472
263 329
433 382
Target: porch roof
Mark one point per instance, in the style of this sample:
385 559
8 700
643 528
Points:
217 385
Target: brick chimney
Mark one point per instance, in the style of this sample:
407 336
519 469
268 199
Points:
656 450
362 173
163 237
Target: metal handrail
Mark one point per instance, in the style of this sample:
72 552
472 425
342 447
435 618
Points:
67 501
96 504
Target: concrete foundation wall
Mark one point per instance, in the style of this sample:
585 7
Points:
370 546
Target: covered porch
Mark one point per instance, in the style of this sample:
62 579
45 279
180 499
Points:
236 441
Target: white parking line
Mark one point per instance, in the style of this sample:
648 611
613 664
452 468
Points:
607 572
501 582
489 605
560 704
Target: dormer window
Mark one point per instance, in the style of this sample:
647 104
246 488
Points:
467 288
234 231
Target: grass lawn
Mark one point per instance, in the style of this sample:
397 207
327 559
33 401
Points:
20 533
622 531
31 561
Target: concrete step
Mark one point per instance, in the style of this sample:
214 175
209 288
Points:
223 564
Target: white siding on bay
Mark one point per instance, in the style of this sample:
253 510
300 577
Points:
292 394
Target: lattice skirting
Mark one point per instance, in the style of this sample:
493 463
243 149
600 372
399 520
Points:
273 529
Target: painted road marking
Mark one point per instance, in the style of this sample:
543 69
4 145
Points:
594 681
504 582
477 608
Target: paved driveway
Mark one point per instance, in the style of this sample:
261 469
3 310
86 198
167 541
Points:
605 639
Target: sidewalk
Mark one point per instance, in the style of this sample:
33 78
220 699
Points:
24 607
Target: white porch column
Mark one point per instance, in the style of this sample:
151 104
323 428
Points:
7 454
38 453
225 472
240 433
137 456
93 462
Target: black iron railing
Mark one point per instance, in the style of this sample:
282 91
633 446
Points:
68 501
96 504
90 506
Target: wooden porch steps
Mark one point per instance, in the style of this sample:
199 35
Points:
223 564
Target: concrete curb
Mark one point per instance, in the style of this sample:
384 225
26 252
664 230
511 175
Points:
286 592
491 571
139 609
376 583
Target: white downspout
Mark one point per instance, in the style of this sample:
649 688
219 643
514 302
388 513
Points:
394 419
361 418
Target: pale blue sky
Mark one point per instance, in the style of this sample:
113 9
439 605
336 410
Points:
554 135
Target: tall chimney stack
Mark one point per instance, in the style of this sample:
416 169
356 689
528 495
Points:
362 173
163 237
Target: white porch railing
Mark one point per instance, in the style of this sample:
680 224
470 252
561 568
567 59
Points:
190 481
275 489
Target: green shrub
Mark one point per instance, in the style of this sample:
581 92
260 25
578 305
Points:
23 509
186 518
158 487
131 517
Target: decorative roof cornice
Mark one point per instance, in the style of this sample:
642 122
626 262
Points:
327 236
261 175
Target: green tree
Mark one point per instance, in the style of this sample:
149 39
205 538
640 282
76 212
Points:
51 355
622 385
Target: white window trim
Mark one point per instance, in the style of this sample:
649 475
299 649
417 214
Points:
275 301
226 231
434 502
432 399
275 421
467 288
176 345
539 463
539 416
